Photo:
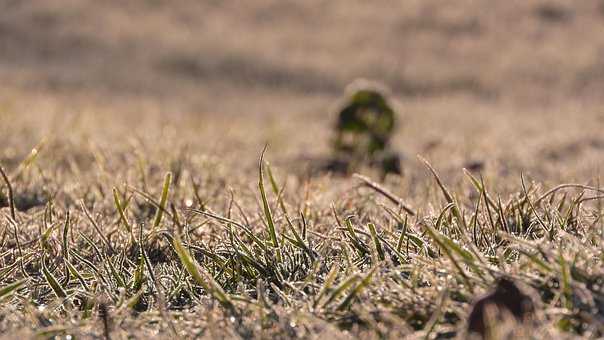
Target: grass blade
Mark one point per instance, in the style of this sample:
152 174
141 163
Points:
76 274
329 279
205 280
29 160
120 210
357 290
376 241
9 289
446 247
65 237
445 192
339 289
267 209
163 200
52 281
11 198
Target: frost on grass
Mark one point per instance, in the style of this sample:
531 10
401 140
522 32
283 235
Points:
270 262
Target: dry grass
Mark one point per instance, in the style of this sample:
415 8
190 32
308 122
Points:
325 256
113 96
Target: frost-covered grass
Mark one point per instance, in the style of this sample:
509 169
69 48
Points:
177 252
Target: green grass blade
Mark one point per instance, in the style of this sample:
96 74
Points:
29 160
339 289
52 281
480 187
376 241
163 200
450 199
138 275
565 279
356 242
228 221
134 299
205 280
329 280
120 209
46 235
267 209
399 243
9 289
65 237
357 290
446 247
76 274
117 275
272 179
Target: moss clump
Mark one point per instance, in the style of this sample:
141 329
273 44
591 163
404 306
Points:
364 127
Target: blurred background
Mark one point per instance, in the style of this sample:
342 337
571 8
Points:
512 85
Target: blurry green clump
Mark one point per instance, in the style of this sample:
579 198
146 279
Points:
365 124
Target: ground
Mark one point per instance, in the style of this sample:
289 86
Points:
100 100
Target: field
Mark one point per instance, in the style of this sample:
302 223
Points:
163 169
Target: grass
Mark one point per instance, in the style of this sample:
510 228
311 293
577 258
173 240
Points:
135 201
268 263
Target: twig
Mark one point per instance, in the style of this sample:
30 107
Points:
392 197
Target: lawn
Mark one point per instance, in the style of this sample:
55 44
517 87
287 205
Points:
163 171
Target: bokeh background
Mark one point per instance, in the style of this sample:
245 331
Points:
513 85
